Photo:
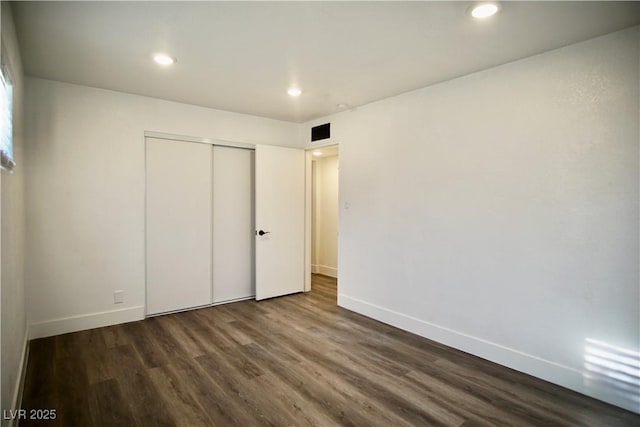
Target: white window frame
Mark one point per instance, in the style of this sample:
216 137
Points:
6 129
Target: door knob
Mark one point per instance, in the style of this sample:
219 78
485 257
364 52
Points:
262 232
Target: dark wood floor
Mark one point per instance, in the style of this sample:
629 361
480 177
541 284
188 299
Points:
291 361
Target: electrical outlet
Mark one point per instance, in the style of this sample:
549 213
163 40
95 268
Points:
118 297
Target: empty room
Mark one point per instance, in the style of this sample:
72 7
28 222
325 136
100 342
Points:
403 213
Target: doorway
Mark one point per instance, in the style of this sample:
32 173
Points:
323 203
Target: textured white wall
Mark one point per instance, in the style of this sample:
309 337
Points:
14 331
498 212
86 194
325 218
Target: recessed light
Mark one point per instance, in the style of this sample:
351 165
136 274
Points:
317 153
164 59
484 10
294 91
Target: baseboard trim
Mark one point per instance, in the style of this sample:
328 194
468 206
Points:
18 389
325 270
85 321
552 372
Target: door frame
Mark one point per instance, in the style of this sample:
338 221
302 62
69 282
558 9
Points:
308 194
201 140
280 193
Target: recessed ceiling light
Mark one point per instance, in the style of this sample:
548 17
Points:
484 10
317 153
294 91
164 59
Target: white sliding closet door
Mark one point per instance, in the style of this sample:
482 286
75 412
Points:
179 216
233 224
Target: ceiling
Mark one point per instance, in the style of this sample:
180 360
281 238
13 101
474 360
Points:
242 56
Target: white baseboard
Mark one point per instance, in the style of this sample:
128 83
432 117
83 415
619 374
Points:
325 270
16 400
85 321
564 376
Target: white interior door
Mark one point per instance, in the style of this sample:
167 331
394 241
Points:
178 237
280 184
233 226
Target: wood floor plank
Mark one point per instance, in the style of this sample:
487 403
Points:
114 336
345 405
221 406
108 406
220 328
183 335
258 404
72 388
175 352
208 334
293 361
239 336
145 401
183 406
40 376
397 404
141 338
304 411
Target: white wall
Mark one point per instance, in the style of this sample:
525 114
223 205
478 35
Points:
505 208
324 257
13 318
86 195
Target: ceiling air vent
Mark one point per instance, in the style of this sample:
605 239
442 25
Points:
321 132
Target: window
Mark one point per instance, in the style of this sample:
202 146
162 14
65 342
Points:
6 115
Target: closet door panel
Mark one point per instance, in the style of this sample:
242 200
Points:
233 224
178 225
